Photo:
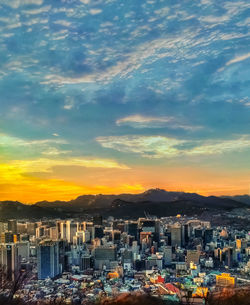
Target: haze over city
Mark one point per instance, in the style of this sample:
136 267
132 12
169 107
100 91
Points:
112 97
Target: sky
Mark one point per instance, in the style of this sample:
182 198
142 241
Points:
122 96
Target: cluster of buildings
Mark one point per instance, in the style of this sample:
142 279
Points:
79 260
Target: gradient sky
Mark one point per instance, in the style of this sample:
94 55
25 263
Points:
122 96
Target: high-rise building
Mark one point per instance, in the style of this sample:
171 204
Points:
208 236
12 226
3 227
48 259
97 232
85 262
71 229
7 237
31 228
63 229
53 233
167 255
23 250
9 259
116 236
150 225
131 227
193 256
97 220
176 236
104 255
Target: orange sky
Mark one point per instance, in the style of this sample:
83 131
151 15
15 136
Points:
67 182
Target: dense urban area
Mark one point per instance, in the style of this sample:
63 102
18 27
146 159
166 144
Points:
81 260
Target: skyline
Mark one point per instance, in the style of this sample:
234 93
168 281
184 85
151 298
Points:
103 97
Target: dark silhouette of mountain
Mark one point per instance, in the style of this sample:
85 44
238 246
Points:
241 198
154 202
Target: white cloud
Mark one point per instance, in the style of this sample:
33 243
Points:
85 1
17 3
63 23
140 121
69 104
95 11
43 9
238 59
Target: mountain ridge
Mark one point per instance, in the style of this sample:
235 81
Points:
153 201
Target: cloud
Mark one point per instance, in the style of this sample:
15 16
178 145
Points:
235 60
85 1
140 121
212 147
69 104
147 146
163 147
43 9
95 11
6 140
63 23
45 165
144 53
53 151
17 3
238 59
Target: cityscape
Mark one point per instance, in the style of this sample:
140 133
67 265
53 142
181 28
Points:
82 260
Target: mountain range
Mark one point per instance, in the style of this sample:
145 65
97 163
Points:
156 202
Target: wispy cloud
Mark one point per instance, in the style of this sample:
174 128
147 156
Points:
6 140
141 121
151 147
17 3
46 165
37 11
162 147
238 59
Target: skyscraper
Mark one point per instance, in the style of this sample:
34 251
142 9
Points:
71 229
12 226
9 259
48 259
176 236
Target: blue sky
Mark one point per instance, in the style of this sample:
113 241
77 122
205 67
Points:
101 95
